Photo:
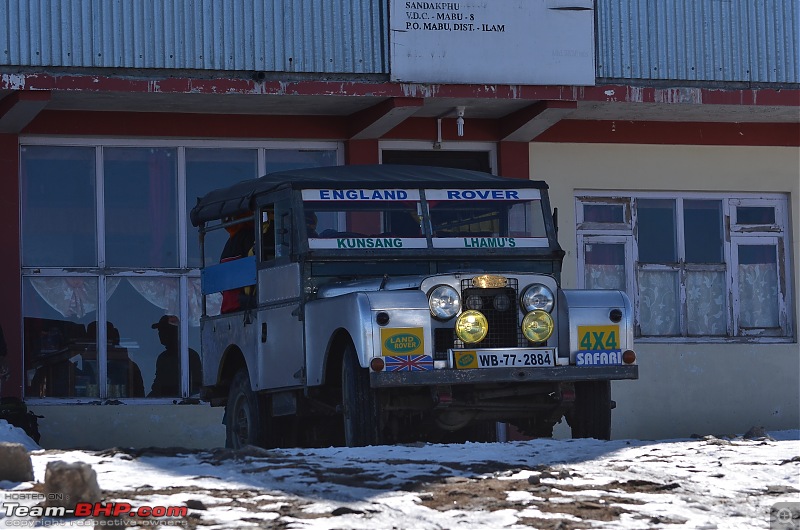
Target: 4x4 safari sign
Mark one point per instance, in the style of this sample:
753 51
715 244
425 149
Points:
530 42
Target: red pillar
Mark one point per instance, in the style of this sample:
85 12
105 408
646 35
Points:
10 287
513 159
361 152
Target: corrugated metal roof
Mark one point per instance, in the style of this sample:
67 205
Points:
320 36
753 41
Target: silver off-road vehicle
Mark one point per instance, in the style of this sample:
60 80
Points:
384 304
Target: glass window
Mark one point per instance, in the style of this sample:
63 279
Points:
72 349
207 170
144 311
286 159
709 280
657 231
476 213
59 226
353 214
60 336
605 266
755 215
141 208
603 213
702 229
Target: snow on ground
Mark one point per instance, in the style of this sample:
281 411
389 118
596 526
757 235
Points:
705 483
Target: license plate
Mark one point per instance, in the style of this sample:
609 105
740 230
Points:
500 358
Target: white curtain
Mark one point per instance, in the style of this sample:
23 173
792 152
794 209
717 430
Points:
758 295
658 303
75 296
604 276
705 299
161 292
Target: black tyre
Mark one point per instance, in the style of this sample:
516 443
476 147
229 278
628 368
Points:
244 414
360 406
591 414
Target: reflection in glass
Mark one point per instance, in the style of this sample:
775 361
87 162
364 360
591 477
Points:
755 215
141 207
286 159
703 231
605 266
207 170
59 344
658 303
656 237
487 219
603 213
758 286
348 218
58 206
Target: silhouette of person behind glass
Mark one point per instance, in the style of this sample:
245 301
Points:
168 365
122 371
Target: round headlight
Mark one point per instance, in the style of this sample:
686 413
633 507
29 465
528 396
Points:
537 296
471 326
501 302
537 326
474 302
444 302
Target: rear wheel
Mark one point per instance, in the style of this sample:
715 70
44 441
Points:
360 406
244 414
591 414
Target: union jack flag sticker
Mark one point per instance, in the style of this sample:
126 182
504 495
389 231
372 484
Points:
408 363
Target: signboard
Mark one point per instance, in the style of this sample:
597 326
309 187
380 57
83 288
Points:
531 42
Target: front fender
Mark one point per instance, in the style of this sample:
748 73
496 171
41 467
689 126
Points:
324 318
355 313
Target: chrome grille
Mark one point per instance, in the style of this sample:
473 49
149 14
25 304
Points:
501 309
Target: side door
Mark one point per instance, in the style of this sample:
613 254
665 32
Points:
281 359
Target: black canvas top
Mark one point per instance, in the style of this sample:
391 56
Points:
238 198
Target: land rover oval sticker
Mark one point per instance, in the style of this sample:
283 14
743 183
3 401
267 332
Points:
402 341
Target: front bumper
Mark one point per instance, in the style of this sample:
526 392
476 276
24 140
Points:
549 374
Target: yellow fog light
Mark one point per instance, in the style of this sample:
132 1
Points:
471 326
537 326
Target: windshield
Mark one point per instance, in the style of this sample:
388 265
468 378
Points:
363 218
486 218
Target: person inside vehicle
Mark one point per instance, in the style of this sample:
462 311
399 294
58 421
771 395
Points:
167 382
311 224
241 238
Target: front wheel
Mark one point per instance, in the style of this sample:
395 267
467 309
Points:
360 406
591 414
244 415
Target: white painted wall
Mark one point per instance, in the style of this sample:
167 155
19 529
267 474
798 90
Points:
688 388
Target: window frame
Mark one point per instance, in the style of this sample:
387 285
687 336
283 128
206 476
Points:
732 235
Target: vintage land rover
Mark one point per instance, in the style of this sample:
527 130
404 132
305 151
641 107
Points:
388 304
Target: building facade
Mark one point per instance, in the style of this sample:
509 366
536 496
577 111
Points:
672 160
